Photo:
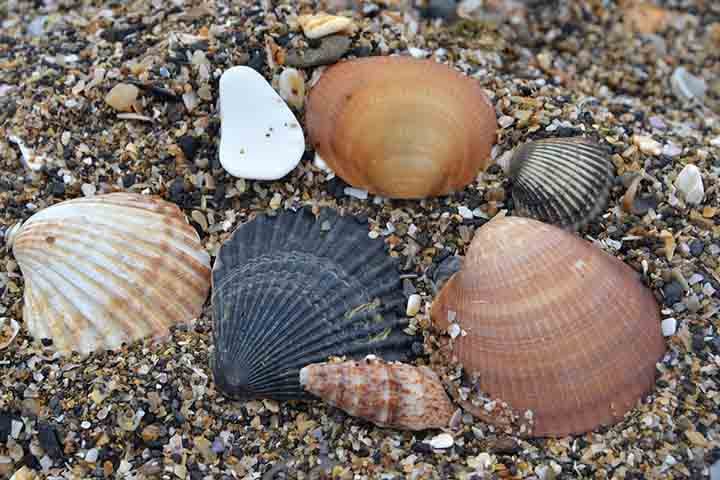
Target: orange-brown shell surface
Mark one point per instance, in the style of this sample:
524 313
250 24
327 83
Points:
394 395
552 324
401 127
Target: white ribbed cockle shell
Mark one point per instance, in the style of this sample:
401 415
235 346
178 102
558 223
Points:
108 269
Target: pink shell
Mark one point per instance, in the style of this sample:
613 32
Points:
392 395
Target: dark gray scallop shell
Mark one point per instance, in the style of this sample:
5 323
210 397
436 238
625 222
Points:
563 181
292 290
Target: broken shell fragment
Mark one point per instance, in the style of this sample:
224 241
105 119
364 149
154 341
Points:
563 181
321 25
391 395
292 87
401 127
109 269
554 325
266 144
293 290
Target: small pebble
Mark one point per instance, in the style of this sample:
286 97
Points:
669 327
413 305
92 455
122 97
356 193
647 145
465 212
442 441
673 293
671 150
331 50
690 185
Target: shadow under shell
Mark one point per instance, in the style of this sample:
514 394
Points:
292 290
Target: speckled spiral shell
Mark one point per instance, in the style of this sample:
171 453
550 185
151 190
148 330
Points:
109 269
292 290
401 127
552 324
394 395
563 181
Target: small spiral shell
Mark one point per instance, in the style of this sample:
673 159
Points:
394 395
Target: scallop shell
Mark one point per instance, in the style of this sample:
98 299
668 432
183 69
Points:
394 395
563 181
108 269
554 325
401 127
293 290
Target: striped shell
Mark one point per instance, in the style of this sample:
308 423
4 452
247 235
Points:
294 289
394 395
109 269
553 325
401 127
563 181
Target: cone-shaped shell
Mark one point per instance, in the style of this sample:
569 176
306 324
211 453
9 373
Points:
394 395
109 269
563 181
554 325
401 127
293 290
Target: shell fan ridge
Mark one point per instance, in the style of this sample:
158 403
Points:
562 181
292 290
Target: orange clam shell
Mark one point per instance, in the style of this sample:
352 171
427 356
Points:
401 127
554 325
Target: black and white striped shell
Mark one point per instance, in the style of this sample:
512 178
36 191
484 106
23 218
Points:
562 181
294 289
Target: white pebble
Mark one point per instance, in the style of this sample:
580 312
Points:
505 121
708 290
715 142
92 455
356 193
46 462
669 327
418 52
16 428
647 145
690 185
454 330
413 305
695 278
465 212
671 150
88 190
85 425
444 440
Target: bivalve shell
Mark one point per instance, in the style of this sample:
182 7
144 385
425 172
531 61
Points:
563 181
401 127
293 290
108 269
553 325
394 395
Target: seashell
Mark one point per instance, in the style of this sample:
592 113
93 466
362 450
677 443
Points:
401 127
321 25
563 181
293 290
292 87
109 269
394 395
554 325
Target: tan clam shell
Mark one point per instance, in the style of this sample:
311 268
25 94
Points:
401 127
394 395
553 325
108 269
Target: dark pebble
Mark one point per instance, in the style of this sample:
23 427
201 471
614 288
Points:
642 205
5 426
128 180
331 50
698 342
190 146
57 188
696 247
672 293
177 190
421 447
336 187
445 9
49 442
